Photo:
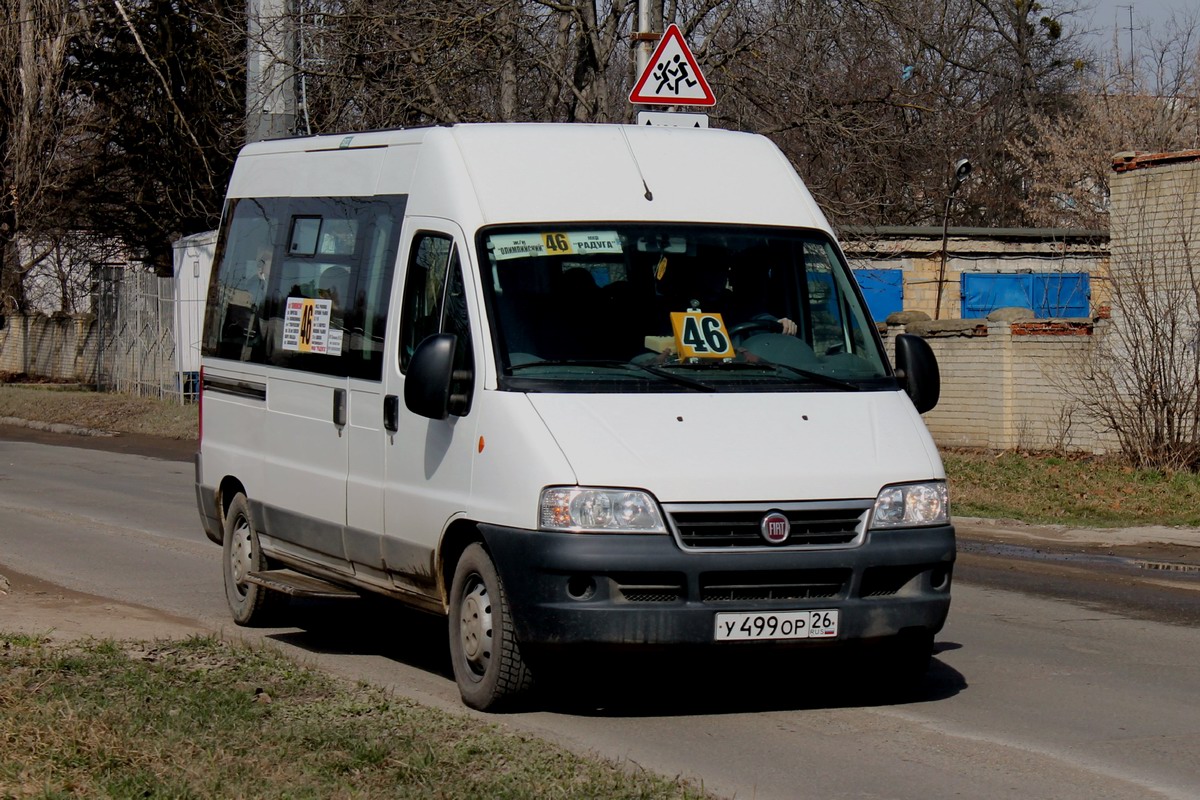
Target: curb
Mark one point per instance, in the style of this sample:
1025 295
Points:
1067 535
54 427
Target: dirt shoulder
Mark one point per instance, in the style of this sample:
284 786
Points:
35 607
132 443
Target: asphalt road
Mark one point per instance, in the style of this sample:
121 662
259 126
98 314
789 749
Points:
1074 680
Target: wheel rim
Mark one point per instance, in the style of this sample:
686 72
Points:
475 626
240 554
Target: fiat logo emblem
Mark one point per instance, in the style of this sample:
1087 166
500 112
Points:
775 527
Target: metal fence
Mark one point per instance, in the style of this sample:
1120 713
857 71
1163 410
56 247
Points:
135 335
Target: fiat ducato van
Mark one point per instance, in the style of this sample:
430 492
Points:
568 386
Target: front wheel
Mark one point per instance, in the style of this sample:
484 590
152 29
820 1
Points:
242 554
898 671
487 661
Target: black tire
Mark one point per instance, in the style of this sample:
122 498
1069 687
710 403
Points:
241 553
484 652
904 663
913 653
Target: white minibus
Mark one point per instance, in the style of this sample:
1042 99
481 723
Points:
569 386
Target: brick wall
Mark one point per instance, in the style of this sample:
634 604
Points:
59 347
1155 220
1013 385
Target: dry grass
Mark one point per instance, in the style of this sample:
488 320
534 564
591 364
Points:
202 718
98 410
1069 490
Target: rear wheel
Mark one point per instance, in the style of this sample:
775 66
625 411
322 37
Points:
483 649
242 554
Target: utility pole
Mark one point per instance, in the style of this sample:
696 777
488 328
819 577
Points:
962 169
649 31
270 70
1132 60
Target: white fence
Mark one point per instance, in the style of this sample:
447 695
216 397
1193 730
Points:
127 345
135 336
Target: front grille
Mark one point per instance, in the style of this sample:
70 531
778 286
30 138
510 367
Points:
650 594
649 587
716 587
812 525
887 581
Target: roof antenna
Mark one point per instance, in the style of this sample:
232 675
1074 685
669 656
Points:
649 195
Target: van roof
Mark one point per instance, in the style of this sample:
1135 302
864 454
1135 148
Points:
517 172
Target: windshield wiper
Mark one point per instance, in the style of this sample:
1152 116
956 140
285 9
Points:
570 362
815 377
671 376
615 364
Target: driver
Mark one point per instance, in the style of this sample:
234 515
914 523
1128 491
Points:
750 282
737 287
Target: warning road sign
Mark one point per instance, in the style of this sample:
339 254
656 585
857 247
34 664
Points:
672 77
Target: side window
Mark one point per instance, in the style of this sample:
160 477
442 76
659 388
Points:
424 292
435 301
837 322
304 283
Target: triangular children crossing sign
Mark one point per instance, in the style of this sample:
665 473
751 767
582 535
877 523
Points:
672 77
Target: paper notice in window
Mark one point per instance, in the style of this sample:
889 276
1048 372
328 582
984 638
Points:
306 326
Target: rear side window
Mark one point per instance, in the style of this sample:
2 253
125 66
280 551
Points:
304 283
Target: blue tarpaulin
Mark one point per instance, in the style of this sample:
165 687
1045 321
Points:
883 290
1048 294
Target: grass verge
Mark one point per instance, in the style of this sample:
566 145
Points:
1068 490
203 718
104 411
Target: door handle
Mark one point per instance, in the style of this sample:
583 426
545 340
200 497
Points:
339 407
391 413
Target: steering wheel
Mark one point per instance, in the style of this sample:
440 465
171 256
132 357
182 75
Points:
758 324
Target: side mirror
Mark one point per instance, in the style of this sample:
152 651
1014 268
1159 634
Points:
917 369
427 384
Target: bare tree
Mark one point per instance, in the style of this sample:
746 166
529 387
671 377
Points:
873 100
1142 380
63 277
164 85
367 64
1152 107
138 109
370 63
38 126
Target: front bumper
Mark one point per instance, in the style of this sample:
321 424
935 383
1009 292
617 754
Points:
644 590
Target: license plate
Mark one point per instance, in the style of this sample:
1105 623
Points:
820 624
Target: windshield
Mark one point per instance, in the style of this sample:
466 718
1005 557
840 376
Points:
636 307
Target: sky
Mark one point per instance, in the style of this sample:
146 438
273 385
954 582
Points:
1152 27
1148 16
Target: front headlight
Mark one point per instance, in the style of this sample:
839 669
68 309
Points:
912 505
579 509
